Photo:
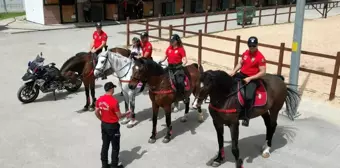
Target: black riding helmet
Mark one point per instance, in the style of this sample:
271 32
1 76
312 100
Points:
252 41
144 34
99 25
136 40
175 37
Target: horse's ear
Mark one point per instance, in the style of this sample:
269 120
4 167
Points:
103 50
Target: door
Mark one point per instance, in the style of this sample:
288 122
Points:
68 11
179 6
223 5
110 10
167 8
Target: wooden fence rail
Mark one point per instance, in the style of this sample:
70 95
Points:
282 48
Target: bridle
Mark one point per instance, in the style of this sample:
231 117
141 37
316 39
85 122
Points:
101 70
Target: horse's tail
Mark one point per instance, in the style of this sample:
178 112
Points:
292 102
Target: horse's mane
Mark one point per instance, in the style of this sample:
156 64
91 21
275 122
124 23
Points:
75 63
154 68
221 80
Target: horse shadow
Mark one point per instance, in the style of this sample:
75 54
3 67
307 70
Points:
63 95
146 114
180 128
251 147
127 157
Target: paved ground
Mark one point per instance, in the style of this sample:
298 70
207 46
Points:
52 134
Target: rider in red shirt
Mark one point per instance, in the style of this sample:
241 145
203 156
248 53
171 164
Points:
99 42
107 111
253 67
177 59
146 46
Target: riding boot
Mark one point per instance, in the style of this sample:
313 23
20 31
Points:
248 110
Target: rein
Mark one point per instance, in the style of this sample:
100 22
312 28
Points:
102 69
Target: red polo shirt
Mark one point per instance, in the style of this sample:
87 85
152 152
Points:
108 106
99 38
175 55
252 62
147 47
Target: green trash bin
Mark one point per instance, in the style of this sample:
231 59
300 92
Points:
248 11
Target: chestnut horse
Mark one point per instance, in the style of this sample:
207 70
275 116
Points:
83 64
161 90
225 107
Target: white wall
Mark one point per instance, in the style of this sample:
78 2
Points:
35 11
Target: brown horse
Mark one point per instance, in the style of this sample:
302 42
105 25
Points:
161 90
225 107
83 64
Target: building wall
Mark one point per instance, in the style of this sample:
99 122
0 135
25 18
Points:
35 11
52 14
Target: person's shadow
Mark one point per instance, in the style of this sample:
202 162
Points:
251 147
127 157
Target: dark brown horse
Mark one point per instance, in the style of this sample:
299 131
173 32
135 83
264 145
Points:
83 64
225 108
161 90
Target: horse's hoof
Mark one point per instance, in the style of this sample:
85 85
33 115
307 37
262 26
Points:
85 109
200 118
125 121
91 109
215 164
184 119
166 140
265 154
152 141
131 124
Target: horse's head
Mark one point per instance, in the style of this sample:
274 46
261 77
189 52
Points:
206 85
139 72
213 81
102 64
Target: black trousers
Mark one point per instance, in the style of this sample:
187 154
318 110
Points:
178 71
87 15
249 89
110 134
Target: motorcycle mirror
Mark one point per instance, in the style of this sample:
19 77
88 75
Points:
29 63
41 54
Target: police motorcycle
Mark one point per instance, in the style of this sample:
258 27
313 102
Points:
46 78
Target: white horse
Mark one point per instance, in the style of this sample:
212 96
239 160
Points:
122 67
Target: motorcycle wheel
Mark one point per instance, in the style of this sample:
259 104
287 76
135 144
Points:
27 90
75 87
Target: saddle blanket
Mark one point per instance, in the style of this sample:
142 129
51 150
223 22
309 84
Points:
260 96
186 84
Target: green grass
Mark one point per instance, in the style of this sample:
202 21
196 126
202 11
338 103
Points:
10 15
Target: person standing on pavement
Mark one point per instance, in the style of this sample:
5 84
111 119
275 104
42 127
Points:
87 11
107 111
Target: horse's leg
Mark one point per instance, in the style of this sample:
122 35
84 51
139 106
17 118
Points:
176 106
234 131
186 111
220 156
155 109
93 95
126 103
87 93
167 110
270 122
133 120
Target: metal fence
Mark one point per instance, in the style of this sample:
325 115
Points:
12 6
